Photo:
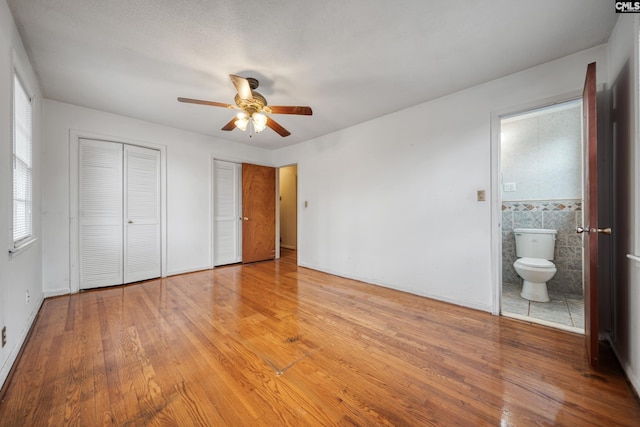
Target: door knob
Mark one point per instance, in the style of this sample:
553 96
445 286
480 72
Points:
593 230
246 219
601 230
130 222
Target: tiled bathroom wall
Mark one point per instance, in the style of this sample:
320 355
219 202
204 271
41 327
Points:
561 215
541 167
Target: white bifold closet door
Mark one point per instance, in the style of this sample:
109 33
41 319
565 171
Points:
119 217
227 212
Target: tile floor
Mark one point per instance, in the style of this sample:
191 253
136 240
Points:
564 311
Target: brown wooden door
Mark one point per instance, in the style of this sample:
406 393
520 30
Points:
258 213
591 228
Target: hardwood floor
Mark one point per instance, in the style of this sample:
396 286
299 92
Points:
271 344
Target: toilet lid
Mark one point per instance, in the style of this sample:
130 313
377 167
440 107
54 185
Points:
535 262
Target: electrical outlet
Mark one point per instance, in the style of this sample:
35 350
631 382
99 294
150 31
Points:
4 336
509 186
27 297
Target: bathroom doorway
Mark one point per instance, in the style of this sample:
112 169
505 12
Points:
541 188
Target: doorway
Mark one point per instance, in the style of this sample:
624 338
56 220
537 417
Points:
541 188
244 213
288 186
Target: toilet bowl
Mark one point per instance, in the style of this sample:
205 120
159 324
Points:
535 249
535 272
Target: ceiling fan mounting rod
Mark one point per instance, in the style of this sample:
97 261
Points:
253 83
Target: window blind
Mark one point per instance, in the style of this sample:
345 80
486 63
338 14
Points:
22 166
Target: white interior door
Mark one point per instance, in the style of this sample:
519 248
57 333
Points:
100 214
119 213
141 213
227 189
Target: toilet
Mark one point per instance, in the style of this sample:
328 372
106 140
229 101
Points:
534 249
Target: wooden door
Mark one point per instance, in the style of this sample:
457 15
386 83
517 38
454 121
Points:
591 229
258 213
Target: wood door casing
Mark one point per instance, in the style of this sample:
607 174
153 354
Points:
590 210
258 213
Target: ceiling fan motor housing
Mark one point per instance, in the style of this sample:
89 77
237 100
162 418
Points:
251 106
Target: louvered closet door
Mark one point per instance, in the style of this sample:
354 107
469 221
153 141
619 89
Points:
227 211
100 214
141 213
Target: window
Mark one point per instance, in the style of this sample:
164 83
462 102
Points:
22 167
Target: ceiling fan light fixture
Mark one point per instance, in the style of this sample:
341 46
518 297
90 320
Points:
259 122
242 121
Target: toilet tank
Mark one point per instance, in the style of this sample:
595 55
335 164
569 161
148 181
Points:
535 243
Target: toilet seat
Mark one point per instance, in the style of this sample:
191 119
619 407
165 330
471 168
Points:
535 262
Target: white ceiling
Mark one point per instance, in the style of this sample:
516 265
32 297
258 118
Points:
350 60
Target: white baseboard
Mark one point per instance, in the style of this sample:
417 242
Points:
626 367
9 362
633 378
56 292
462 303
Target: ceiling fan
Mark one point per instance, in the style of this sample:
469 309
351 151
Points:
252 106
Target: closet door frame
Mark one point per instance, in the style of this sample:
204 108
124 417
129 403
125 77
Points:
74 188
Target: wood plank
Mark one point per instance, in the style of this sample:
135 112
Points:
209 348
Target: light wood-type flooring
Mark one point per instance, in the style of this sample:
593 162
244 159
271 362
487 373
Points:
272 344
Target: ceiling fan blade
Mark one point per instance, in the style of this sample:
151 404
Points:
231 125
303 111
212 103
276 127
242 86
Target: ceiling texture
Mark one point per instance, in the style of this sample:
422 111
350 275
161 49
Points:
351 61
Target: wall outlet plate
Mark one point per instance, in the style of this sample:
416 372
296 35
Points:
481 196
509 186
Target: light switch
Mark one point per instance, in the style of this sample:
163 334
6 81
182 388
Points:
481 196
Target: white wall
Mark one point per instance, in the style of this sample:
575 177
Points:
22 272
189 185
623 47
393 201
